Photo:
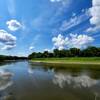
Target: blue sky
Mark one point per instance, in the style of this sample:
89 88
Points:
38 25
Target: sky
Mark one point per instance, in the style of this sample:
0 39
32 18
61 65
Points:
38 25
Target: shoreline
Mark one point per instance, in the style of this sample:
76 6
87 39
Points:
68 62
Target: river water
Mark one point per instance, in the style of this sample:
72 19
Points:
26 81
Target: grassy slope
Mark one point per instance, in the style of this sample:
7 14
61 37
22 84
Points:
76 60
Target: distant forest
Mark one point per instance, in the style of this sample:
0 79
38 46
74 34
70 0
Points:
2 58
72 52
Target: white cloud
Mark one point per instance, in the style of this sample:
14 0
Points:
31 47
49 50
59 41
6 37
8 47
63 2
56 0
13 25
74 21
74 40
8 40
95 16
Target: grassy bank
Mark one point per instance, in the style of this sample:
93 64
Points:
72 60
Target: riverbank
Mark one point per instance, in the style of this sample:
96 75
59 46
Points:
72 60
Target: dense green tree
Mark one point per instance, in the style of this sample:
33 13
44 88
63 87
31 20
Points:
56 52
2 58
75 52
62 53
98 52
90 52
72 52
45 54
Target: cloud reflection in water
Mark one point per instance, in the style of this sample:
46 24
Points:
5 79
79 81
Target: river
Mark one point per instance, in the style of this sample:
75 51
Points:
26 81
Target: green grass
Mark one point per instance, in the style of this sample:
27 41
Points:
80 60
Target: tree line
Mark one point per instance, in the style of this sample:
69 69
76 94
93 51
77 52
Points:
72 52
3 58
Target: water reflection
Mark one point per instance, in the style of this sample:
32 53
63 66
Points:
7 97
5 79
75 77
79 81
32 70
37 82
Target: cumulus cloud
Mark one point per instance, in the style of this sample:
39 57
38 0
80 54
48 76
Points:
74 40
6 37
95 16
59 42
8 40
13 25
